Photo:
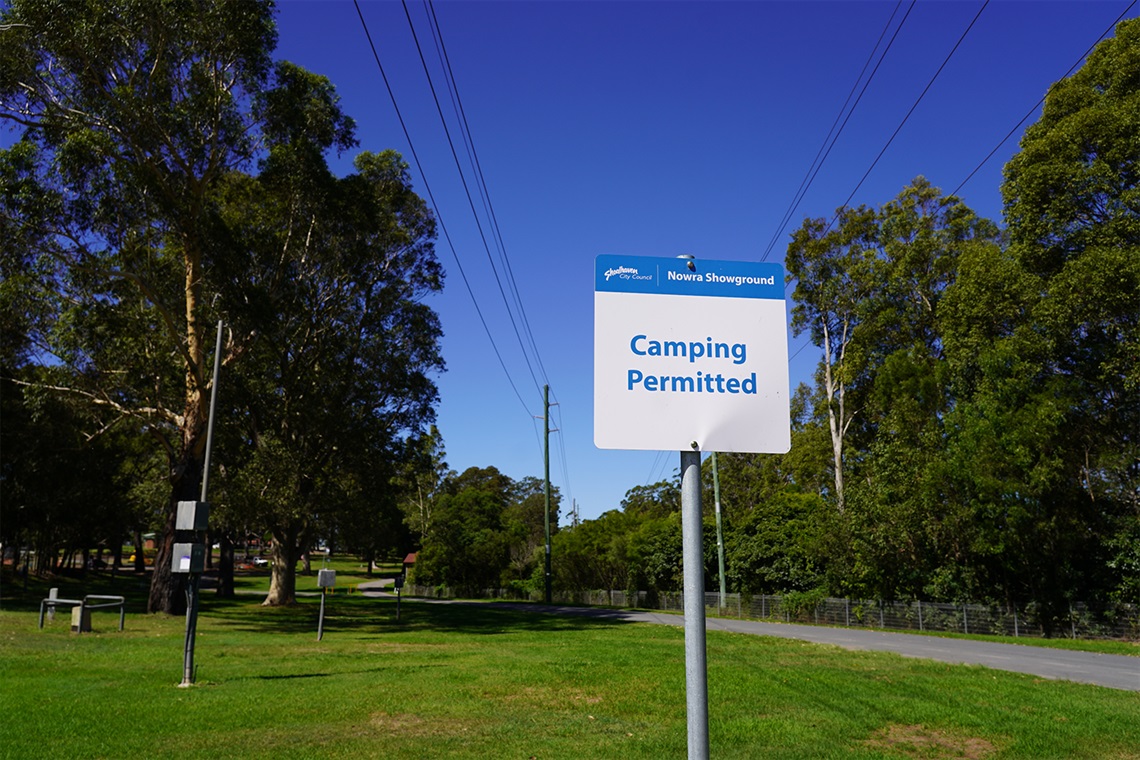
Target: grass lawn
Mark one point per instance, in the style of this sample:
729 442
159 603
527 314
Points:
350 572
474 682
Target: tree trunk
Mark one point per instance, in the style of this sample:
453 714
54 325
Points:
166 587
835 396
283 573
226 568
167 593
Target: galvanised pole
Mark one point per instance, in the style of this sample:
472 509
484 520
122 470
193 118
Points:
546 479
719 532
193 581
696 669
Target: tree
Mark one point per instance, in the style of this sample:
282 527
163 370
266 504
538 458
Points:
778 546
658 500
833 270
131 114
525 523
420 482
594 554
140 122
339 373
1045 342
467 548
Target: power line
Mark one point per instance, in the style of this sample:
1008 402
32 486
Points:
482 183
562 453
908 113
1040 102
485 196
435 206
825 148
470 200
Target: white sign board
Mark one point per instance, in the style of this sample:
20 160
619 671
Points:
690 351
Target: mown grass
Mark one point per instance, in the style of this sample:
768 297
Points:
474 682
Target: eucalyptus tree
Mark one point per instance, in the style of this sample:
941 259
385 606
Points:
468 547
870 289
420 481
1044 342
339 370
131 195
833 272
131 113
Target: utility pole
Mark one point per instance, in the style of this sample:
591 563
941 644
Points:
546 479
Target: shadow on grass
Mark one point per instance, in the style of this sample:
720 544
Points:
372 615
20 594
343 613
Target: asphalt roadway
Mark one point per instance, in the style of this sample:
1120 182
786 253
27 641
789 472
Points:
1115 671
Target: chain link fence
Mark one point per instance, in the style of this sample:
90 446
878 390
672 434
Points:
1122 622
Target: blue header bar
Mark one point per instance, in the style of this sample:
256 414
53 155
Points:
615 273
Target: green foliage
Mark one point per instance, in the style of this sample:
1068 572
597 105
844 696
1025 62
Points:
487 531
778 545
136 224
972 430
595 553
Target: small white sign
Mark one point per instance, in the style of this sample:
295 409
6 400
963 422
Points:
690 351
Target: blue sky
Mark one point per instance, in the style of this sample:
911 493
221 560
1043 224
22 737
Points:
655 129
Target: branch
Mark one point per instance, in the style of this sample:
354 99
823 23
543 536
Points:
146 412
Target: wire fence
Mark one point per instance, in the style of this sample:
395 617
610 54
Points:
1080 622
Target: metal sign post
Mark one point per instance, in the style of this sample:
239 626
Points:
192 518
326 579
696 679
691 355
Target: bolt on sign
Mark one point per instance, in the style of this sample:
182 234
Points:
690 354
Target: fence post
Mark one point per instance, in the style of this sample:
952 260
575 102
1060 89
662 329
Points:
920 627
965 619
847 611
882 622
1016 634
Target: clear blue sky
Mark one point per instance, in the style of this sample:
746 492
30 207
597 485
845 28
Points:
659 128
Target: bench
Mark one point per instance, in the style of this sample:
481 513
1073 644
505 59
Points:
80 614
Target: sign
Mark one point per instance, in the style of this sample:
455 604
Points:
690 351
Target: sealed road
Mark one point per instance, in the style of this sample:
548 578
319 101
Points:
1116 671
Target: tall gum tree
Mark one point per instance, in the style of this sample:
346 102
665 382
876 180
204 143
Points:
338 377
833 269
1072 208
135 110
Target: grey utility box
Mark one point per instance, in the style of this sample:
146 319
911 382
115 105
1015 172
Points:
192 515
326 578
188 558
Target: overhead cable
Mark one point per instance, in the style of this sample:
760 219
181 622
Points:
489 208
435 206
829 141
1040 102
908 113
470 200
